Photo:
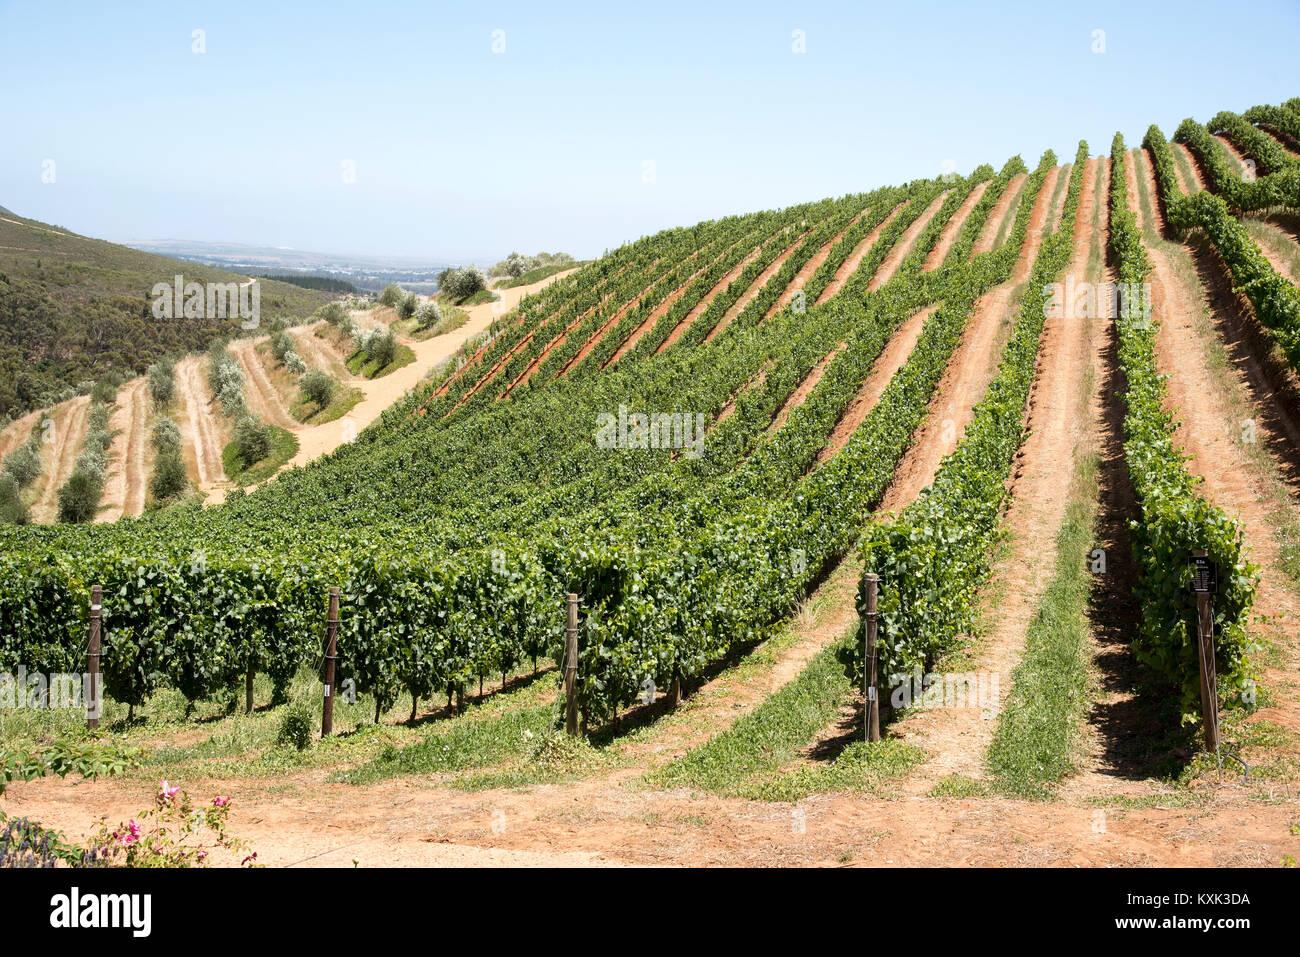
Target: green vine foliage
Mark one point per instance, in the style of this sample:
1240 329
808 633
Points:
1175 519
934 556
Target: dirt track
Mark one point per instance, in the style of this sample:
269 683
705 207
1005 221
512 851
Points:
1058 423
755 288
894 260
971 370
1193 302
202 432
17 432
891 359
263 398
315 441
854 259
128 481
807 270
950 232
1007 202
60 456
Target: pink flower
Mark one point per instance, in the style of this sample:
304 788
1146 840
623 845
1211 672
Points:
220 801
169 792
201 856
250 857
126 840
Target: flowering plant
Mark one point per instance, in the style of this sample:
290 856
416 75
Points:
173 833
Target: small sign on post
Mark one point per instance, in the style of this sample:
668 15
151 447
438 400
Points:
571 667
870 681
1204 583
331 648
94 693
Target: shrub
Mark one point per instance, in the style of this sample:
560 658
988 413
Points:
166 436
162 381
12 509
281 345
296 727
97 424
252 439
406 308
293 362
226 379
79 496
24 463
391 295
462 283
428 315
318 386
381 348
104 390
169 479
333 313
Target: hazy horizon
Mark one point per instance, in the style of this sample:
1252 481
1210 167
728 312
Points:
247 131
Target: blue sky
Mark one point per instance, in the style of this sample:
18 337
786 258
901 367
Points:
462 153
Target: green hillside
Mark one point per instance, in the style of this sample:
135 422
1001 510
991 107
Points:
72 307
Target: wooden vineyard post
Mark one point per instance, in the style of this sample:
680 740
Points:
1204 582
571 667
870 681
331 646
94 692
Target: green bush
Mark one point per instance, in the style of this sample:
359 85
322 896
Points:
79 496
104 390
406 308
24 463
253 439
318 386
296 727
12 509
333 313
162 381
381 348
391 295
166 436
169 479
281 345
428 315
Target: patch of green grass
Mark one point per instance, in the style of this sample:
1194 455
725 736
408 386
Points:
1038 731
862 766
213 738
1010 219
767 738
537 275
360 364
447 300
1184 164
452 319
1182 798
460 745
549 758
344 400
959 786
284 446
1058 194
1268 238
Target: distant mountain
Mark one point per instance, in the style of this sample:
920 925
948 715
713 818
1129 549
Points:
363 271
72 307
